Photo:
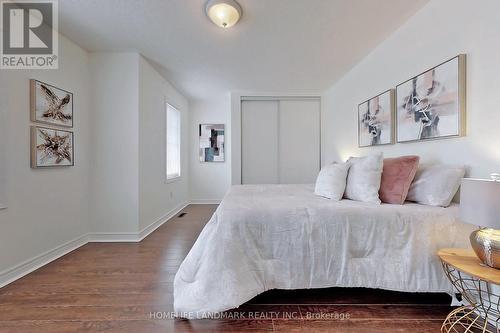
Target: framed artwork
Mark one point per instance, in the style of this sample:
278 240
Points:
50 105
376 120
51 147
211 142
432 104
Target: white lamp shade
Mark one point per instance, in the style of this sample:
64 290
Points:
224 13
480 202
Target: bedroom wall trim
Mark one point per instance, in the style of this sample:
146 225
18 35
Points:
160 221
18 271
205 202
146 231
110 237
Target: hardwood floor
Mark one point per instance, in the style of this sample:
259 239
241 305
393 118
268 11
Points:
126 287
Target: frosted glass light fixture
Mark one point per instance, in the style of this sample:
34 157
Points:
224 13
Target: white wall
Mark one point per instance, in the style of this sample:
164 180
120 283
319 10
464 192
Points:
115 142
46 207
439 31
117 186
157 197
209 181
3 138
128 183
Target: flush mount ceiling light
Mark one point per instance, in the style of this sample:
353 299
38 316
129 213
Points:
224 13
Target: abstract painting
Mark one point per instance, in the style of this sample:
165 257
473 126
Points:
51 147
211 142
51 105
431 105
375 120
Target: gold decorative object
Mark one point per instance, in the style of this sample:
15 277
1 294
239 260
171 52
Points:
486 245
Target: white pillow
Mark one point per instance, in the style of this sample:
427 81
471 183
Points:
331 181
435 185
363 180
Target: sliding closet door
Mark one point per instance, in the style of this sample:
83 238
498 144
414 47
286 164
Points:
299 141
259 142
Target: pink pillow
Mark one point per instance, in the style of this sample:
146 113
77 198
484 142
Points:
397 175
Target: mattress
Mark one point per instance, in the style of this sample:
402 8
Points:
264 237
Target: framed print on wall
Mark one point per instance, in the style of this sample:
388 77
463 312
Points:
50 105
432 104
51 147
211 142
376 120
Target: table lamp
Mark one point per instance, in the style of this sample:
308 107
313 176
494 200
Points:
480 205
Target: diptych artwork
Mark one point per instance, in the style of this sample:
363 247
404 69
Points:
211 142
51 105
51 147
375 120
432 105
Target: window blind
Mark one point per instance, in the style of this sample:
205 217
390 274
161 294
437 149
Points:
173 154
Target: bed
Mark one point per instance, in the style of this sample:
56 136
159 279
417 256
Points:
265 237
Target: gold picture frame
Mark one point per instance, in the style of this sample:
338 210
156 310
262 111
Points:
419 106
371 129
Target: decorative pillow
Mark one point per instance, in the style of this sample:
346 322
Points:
397 175
331 181
435 185
363 180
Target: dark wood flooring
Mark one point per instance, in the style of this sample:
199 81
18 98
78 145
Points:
128 287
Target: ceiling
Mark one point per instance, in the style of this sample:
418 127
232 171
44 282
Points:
289 46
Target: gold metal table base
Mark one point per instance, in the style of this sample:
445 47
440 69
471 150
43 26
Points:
466 319
483 313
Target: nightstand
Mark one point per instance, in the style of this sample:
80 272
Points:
479 286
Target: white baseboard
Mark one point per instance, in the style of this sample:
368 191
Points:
158 223
18 271
110 237
205 202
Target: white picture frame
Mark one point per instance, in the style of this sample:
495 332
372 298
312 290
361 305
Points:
43 141
50 105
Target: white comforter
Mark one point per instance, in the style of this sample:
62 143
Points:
283 236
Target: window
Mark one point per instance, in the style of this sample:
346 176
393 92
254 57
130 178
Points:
173 143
